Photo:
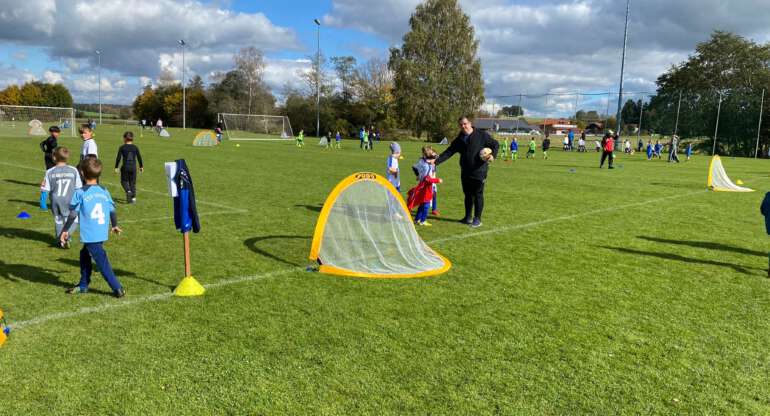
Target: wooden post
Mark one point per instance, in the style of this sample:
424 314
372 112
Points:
187 271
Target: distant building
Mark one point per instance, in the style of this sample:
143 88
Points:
559 127
506 126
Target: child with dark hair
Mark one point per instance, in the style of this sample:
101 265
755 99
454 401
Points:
130 155
93 204
48 145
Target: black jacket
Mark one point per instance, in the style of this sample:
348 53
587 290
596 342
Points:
130 155
471 165
48 145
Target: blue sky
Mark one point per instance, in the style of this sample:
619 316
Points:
560 46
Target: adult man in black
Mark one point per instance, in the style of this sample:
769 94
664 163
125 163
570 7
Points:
473 170
48 145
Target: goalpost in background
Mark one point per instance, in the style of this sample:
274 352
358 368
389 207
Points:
15 119
255 127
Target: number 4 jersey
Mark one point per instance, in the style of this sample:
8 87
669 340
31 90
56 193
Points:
94 206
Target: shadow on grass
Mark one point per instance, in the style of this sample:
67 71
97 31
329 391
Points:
314 208
706 245
14 181
676 257
28 235
35 204
118 272
34 274
252 244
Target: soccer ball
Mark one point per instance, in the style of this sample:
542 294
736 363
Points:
237 145
485 154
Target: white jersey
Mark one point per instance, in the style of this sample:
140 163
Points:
88 148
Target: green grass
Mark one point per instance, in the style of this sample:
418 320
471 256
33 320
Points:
600 292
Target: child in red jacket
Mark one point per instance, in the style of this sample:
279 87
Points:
421 196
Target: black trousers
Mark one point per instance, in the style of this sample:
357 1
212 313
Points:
605 155
49 163
128 180
474 197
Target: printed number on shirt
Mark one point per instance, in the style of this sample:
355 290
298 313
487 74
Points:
64 186
98 214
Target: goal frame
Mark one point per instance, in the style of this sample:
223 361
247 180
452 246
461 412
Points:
69 109
285 124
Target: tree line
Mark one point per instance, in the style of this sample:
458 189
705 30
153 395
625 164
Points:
38 94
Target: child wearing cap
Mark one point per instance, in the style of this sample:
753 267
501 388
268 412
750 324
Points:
393 173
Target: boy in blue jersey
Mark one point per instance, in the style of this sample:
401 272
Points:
92 204
514 149
393 173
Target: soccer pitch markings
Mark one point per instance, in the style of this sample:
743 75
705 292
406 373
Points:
119 304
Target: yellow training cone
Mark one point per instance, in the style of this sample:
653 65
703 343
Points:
739 182
189 287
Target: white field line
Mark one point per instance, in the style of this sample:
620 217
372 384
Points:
142 220
235 280
126 302
149 191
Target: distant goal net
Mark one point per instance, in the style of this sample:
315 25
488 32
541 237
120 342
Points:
22 121
255 127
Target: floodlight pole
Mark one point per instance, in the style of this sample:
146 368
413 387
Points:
716 129
318 79
99 81
184 88
641 116
518 116
622 70
678 107
759 127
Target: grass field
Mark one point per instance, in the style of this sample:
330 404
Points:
585 292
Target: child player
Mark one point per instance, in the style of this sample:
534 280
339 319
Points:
393 173
61 182
89 144
301 139
338 140
47 146
93 204
421 195
765 210
514 149
504 149
130 155
532 147
688 152
546 146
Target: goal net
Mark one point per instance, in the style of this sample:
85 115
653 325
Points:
718 179
21 121
255 127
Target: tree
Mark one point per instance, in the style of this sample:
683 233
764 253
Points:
32 94
345 66
437 73
726 68
511 111
251 63
11 95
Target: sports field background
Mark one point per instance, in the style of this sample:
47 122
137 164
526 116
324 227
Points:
586 291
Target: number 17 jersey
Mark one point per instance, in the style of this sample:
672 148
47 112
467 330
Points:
61 182
94 205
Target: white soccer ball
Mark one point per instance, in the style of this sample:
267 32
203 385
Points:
485 154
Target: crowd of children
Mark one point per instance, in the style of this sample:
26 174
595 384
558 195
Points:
76 199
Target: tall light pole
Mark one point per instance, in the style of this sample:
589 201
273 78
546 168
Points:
99 81
318 79
622 70
184 88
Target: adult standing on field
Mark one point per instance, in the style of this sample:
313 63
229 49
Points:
473 170
608 147
673 149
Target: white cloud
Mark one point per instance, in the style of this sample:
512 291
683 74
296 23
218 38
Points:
52 77
537 47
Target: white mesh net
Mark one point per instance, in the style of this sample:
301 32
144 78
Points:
369 233
256 127
15 120
718 179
